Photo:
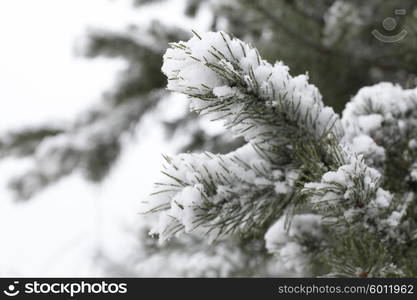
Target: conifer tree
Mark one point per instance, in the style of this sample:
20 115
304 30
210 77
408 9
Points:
370 150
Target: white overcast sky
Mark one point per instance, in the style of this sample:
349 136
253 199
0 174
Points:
41 80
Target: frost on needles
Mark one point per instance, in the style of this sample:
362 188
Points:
320 189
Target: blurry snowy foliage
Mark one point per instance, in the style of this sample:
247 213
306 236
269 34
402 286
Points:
331 39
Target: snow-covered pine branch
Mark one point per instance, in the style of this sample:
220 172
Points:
279 115
238 192
298 158
263 103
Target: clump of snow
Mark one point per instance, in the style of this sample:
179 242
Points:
223 91
284 181
365 145
369 123
384 98
366 112
383 198
374 115
281 187
287 243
